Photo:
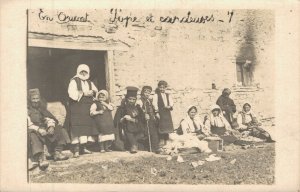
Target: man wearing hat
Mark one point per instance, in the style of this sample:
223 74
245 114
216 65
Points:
43 129
129 120
149 121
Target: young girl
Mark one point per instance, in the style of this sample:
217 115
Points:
101 111
163 105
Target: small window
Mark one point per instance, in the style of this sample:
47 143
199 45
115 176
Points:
244 71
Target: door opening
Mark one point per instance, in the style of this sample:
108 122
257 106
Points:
51 69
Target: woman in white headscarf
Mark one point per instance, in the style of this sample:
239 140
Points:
248 124
187 136
101 112
217 124
81 91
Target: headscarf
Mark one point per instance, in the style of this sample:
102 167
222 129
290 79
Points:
192 123
104 92
249 112
218 121
83 67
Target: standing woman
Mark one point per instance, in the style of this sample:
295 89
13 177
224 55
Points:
81 91
227 105
163 105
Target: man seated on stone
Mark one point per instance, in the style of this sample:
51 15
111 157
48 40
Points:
43 129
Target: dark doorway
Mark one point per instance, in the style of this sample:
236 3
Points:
50 70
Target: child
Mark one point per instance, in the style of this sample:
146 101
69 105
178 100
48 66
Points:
149 122
101 111
163 105
129 117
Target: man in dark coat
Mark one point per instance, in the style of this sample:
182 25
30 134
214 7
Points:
227 105
128 119
43 129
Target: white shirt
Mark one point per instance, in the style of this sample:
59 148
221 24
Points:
164 98
73 90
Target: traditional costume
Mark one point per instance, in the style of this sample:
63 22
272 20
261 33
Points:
150 128
190 129
128 119
248 123
82 127
101 113
163 105
218 125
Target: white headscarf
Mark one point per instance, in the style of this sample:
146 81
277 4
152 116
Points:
104 92
218 121
83 67
189 122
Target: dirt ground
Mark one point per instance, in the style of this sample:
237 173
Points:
238 166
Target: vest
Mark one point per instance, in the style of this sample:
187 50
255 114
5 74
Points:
78 82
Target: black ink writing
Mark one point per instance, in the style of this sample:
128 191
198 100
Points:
43 16
118 18
150 18
64 18
187 19
230 15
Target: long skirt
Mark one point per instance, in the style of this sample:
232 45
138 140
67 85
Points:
81 123
220 131
165 123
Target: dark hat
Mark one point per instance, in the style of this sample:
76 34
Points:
146 87
131 91
33 92
162 82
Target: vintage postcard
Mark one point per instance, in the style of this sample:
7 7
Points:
136 96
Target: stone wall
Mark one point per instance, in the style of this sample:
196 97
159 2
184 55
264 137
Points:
190 57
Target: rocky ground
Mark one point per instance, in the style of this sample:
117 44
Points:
236 166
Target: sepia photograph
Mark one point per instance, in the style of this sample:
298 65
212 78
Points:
174 95
124 96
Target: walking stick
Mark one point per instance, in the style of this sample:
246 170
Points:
148 130
149 139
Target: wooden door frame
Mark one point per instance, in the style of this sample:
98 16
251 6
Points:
82 43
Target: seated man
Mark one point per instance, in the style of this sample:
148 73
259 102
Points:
43 130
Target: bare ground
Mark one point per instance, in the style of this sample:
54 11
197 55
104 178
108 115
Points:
252 166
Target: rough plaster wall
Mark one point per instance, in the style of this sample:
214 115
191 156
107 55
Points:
190 57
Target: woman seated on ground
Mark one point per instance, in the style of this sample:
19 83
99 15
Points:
217 124
189 132
249 125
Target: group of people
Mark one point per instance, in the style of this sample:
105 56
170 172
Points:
143 123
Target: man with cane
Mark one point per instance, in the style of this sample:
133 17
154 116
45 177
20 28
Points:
150 121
